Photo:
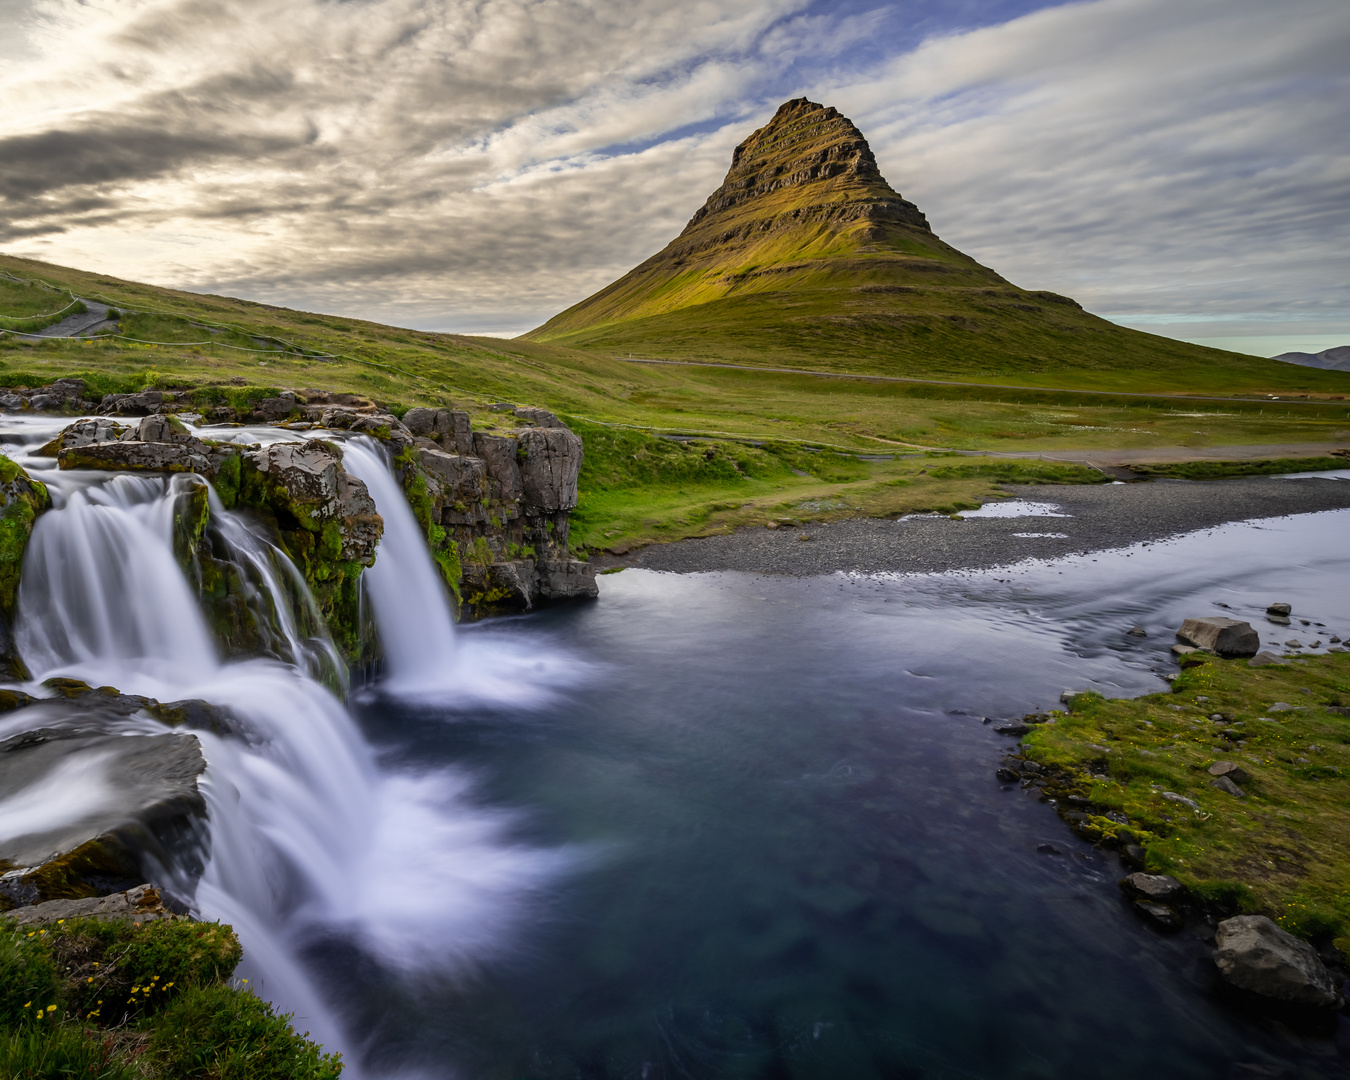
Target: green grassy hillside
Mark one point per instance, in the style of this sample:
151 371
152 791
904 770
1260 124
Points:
806 258
657 488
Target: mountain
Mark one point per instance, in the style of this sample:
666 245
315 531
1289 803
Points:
807 257
1334 359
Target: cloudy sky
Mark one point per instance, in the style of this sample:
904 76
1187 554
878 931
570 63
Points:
478 165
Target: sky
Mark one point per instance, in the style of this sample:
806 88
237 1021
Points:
1181 166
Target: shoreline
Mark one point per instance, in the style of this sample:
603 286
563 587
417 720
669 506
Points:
1097 518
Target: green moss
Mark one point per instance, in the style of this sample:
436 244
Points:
1280 849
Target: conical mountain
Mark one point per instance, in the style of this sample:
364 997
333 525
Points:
807 257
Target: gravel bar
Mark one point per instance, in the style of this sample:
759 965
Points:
1100 517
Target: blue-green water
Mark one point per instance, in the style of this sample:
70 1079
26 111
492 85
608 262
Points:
784 851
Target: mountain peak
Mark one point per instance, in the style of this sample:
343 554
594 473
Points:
818 150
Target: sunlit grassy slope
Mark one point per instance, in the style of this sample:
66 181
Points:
637 484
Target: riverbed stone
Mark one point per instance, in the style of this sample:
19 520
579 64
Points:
1227 637
1256 955
1157 888
1280 609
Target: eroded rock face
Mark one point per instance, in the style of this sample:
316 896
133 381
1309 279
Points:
447 428
84 432
500 459
1256 955
549 463
64 395
1226 637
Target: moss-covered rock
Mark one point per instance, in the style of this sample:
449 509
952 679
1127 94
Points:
22 499
323 518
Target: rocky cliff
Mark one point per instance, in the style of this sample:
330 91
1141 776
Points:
494 504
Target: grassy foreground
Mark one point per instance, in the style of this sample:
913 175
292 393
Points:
118 1000
759 445
1137 772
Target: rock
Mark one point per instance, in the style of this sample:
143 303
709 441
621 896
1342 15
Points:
1280 609
1137 631
1172 796
1158 888
457 482
1294 643
1254 954
22 499
1226 785
1160 915
1011 727
1007 776
1266 659
539 417
1227 637
161 428
137 456
141 904
566 579
41 402
448 429
1230 769
1278 620
499 454
276 408
1284 706
84 432
550 462
1048 849
148 401
308 480
1183 650
147 803
1132 855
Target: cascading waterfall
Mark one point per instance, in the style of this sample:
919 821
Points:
310 840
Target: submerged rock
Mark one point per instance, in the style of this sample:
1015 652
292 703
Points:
1157 888
1256 955
1227 637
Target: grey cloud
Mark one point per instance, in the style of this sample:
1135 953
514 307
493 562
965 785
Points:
451 164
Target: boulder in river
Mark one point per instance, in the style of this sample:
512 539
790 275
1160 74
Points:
1256 955
1226 637
1157 888
1280 609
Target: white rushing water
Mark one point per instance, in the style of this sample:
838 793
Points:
311 840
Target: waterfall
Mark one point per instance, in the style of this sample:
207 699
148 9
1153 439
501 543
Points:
311 840
407 594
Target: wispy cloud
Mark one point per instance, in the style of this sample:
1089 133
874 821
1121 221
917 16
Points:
480 164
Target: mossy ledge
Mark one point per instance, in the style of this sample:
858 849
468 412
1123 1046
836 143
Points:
22 499
149 997
1235 783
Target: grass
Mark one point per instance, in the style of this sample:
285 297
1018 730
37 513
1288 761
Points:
724 410
1281 850
116 1000
1218 470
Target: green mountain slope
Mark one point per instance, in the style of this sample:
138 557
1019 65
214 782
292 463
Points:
806 257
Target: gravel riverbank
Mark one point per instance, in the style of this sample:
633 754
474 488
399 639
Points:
1098 517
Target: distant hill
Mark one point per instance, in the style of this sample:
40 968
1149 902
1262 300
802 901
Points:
807 257
1334 359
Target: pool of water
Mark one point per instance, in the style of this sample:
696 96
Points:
780 848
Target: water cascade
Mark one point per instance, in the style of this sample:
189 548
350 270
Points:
310 839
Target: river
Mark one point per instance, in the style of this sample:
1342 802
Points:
711 826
